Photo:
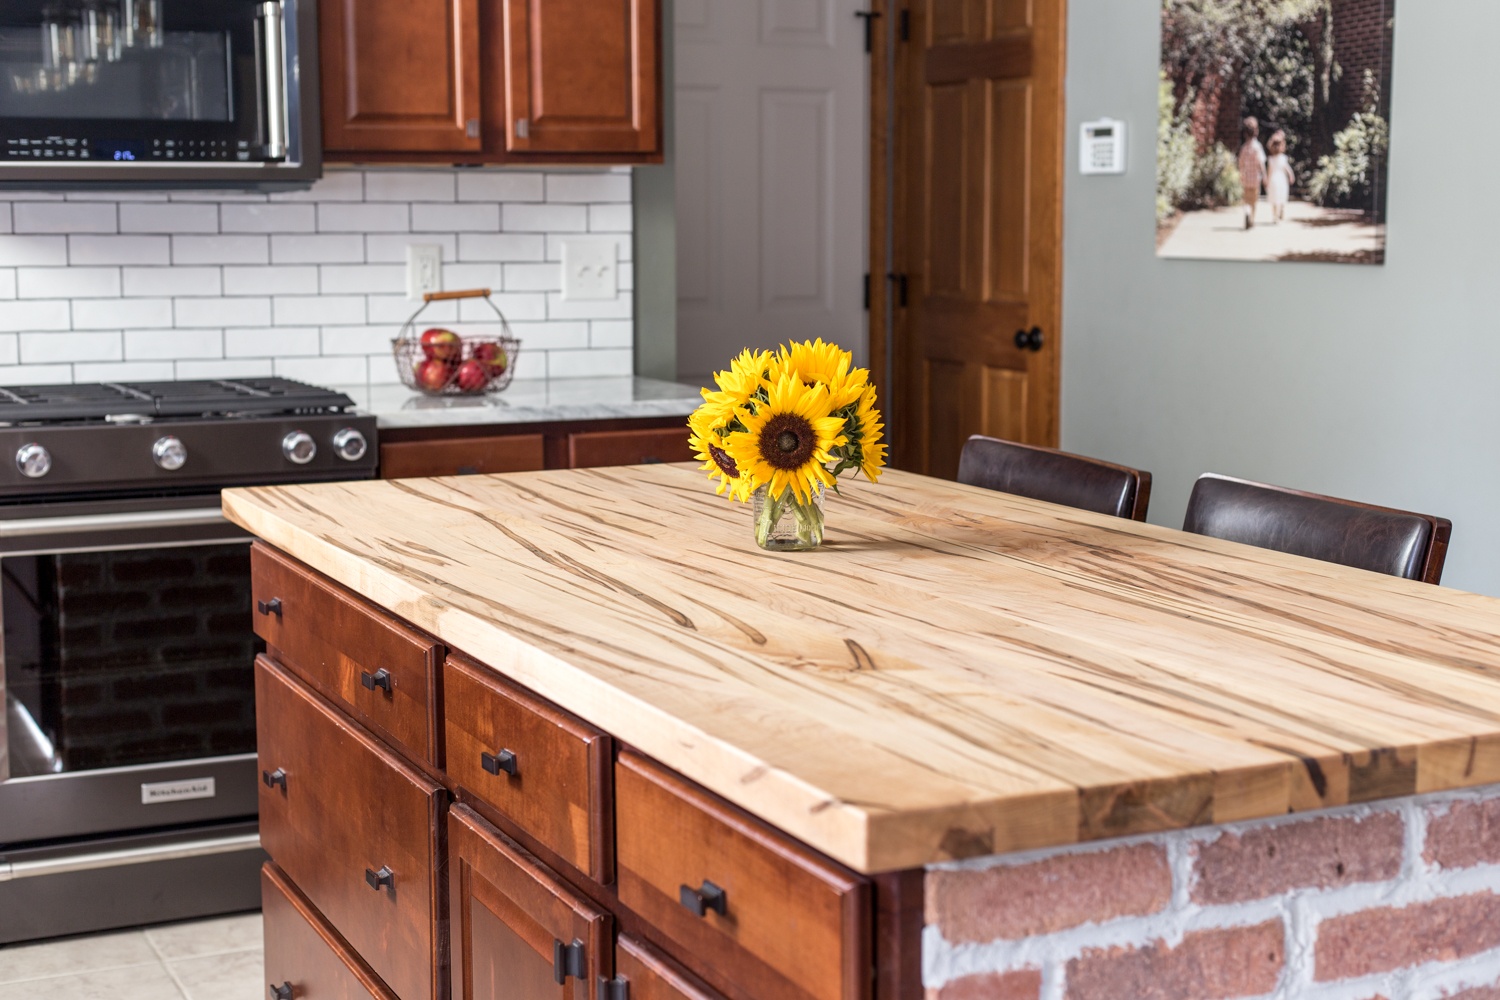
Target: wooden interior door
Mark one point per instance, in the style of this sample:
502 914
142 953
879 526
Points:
400 75
978 241
584 76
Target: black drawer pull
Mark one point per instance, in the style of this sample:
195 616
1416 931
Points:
271 607
569 960
613 989
379 679
384 877
274 778
708 897
497 762
282 992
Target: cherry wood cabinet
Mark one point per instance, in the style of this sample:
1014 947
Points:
648 974
593 449
306 957
566 444
466 456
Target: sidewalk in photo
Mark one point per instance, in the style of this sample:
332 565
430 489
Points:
1308 233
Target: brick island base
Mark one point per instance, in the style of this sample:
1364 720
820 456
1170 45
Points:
1397 900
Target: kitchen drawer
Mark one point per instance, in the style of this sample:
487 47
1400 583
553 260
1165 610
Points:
784 922
462 456
305 957
356 829
382 672
650 975
519 932
600 448
542 769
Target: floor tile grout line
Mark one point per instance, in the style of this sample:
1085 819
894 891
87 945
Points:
167 966
79 972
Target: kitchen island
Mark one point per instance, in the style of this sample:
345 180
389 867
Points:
956 678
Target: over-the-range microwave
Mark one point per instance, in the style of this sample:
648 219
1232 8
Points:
159 93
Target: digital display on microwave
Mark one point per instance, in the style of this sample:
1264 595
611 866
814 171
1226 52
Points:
122 152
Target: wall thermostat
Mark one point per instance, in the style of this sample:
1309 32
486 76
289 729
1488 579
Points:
1101 147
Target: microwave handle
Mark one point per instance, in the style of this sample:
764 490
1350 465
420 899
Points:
272 71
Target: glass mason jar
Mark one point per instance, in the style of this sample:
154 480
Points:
784 524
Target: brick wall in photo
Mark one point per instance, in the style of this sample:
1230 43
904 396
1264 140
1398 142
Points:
310 285
1362 39
1393 901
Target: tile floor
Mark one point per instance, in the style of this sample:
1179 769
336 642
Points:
216 959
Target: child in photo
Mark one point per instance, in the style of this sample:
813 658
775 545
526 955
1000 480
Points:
1252 164
1279 177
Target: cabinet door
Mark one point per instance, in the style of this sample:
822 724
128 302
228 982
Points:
650 975
599 448
583 76
519 932
400 75
462 456
304 954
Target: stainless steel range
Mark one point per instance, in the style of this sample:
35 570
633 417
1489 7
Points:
127 744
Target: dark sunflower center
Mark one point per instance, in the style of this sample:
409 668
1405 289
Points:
787 441
723 461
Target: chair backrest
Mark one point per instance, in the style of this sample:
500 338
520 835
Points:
1055 476
1396 542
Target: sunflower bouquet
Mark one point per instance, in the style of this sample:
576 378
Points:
781 428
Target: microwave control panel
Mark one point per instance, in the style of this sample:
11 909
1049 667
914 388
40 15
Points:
65 148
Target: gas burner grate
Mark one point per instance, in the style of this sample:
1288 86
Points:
198 398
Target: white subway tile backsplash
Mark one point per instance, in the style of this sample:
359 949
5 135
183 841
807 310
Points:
42 314
624 245
274 280
122 314
119 250
173 280
220 249
67 282
66 217
310 284
409 185
166 217
224 312
45 348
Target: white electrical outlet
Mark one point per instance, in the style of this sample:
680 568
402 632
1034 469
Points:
424 269
589 270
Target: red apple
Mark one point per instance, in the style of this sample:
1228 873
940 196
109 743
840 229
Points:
492 356
441 345
433 375
473 376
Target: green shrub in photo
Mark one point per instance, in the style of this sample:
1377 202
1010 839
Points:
1349 175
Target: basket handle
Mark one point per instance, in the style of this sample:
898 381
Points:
472 293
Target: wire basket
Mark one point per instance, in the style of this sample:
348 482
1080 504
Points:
442 366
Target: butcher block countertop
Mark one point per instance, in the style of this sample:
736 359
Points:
956 673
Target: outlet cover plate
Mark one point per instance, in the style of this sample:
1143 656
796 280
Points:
590 272
424 269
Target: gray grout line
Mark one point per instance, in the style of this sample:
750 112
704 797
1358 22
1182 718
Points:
166 965
76 972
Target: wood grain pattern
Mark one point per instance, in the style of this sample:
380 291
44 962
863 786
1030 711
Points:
303 949
462 456
957 672
596 449
651 975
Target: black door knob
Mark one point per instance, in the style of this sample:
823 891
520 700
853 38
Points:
379 679
274 778
282 992
494 763
384 877
271 607
1029 340
706 897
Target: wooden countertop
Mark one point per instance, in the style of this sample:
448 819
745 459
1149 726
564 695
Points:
956 673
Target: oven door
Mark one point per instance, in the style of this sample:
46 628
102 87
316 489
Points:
126 668
152 89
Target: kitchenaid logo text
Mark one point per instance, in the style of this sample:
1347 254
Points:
177 791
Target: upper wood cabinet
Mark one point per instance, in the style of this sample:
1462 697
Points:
491 81
400 75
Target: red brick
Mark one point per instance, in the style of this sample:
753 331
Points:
1045 896
1379 940
1318 853
1023 985
1207 965
1468 835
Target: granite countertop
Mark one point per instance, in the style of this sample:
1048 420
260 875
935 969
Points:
527 401
956 673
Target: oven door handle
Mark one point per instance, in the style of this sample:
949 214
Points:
132 856
32 526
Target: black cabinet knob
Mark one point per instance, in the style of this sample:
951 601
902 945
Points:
617 988
569 960
271 607
494 763
384 877
379 679
706 897
282 992
274 778
1030 340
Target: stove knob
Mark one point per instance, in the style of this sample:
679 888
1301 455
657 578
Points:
170 453
350 444
299 447
34 461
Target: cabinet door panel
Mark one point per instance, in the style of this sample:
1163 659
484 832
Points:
304 952
583 76
595 449
517 928
400 75
653 976
463 456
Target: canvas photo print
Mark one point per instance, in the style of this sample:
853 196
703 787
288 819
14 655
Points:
1274 129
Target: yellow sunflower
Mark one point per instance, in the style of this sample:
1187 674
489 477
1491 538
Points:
815 362
867 427
786 441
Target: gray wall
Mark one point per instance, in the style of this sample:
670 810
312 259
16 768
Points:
1376 383
656 232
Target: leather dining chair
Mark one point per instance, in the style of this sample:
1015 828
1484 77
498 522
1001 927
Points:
1396 542
1055 476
